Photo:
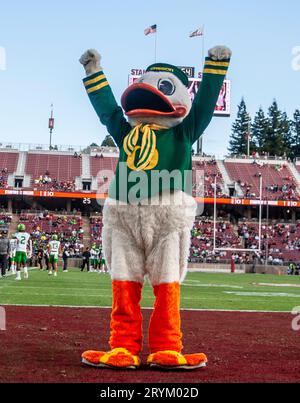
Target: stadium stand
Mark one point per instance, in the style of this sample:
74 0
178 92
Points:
61 169
3 179
9 161
202 240
5 221
281 240
47 183
51 223
277 180
211 171
100 163
8 165
96 229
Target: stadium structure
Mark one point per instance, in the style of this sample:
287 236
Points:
69 185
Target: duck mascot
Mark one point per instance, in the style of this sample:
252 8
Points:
147 219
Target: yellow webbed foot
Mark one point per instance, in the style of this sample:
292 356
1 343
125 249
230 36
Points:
118 358
174 360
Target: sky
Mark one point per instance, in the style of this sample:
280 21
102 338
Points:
42 42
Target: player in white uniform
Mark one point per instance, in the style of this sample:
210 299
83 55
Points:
12 254
54 250
23 244
94 258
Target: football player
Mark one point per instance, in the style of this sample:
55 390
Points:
23 251
54 250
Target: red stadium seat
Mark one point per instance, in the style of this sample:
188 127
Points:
247 176
60 167
9 161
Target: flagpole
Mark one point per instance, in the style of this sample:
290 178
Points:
155 47
200 140
51 126
203 45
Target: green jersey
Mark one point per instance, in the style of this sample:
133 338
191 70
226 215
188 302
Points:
173 145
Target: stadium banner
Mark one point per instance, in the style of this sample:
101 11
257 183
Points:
223 107
94 196
189 71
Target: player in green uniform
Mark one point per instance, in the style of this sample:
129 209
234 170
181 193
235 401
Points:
94 258
23 251
102 264
12 254
54 250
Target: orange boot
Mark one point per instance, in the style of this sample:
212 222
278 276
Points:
126 329
164 332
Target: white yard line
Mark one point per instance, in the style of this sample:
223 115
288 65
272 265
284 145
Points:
277 285
9 274
199 284
262 294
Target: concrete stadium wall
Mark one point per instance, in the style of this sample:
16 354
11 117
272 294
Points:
260 269
71 262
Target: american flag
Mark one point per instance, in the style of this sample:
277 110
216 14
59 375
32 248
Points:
198 32
151 30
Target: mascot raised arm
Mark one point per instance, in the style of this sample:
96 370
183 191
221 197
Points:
147 220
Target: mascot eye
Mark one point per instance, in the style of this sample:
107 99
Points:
166 86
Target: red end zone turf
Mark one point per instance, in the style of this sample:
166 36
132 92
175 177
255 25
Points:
45 344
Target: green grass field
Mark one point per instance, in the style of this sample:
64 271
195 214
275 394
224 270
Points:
199 291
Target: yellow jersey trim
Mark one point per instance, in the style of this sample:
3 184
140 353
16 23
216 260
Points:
94 80
97 87
212 71
220 64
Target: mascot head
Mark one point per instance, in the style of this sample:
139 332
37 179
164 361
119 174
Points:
160 97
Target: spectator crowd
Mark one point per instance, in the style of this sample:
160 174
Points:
45 182
4 178
280 243
210 171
